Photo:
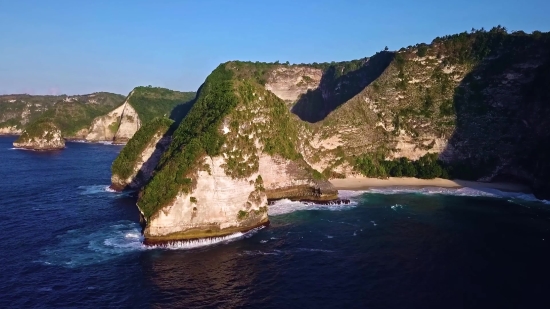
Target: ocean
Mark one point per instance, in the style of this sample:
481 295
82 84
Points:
70 243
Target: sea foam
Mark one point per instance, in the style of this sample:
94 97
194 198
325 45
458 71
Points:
482 192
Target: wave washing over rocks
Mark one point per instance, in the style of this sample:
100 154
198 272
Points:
80 247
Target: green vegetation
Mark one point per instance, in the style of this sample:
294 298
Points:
151 102
124 164
242 214
428 166
37 130
70 113
71 117
196 136
193 199
260 114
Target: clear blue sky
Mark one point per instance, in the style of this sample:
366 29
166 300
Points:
82 46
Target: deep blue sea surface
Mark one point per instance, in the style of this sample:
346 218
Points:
68 242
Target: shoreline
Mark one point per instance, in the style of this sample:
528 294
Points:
362 183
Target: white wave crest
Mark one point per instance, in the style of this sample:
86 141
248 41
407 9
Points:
285 206
94 189
197 243
482 192
86 246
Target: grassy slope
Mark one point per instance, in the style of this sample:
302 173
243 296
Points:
124 164
152 102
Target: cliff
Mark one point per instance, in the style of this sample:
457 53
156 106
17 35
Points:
236 148
142 105
43 135
135 164
470 106
71 113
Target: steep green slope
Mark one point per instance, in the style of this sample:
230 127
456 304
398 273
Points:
151 102
125 162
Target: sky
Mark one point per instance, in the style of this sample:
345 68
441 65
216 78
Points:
84 46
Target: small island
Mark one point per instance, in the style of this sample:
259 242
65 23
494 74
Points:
41 135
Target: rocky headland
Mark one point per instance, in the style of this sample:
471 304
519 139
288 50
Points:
471 106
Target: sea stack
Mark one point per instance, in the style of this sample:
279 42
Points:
42 135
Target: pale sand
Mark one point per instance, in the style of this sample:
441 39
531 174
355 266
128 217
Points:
366 183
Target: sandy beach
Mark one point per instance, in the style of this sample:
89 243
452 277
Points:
366 183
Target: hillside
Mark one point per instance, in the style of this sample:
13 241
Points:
18 110
471 105
236 148
141 106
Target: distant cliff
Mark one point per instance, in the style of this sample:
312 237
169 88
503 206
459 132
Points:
142 105
73 113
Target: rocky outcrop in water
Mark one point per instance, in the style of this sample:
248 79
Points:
41 136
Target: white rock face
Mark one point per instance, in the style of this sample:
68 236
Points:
50 139
118 125
103 128
289 83
129 124
10 131
214 204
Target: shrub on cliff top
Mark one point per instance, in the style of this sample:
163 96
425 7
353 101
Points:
124 164
152 102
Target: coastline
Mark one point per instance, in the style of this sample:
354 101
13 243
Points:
362 183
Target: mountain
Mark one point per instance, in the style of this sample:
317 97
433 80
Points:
142 105
19 110
94 117
471 105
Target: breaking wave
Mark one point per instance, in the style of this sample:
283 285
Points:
485 192
94 189
285 206
81 247
197 243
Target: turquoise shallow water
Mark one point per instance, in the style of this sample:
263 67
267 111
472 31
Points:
68 242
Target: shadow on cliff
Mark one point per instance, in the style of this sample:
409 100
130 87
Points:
177 114
181 110
502 108
337 87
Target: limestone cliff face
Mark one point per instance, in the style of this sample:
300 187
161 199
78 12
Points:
289 83
117 126
227 191
219 205
129 124
41 136
104 128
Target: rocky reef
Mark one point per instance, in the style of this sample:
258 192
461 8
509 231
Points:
42 135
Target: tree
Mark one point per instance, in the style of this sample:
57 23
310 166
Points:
386 48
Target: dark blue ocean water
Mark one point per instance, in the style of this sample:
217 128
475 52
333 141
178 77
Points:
68 242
